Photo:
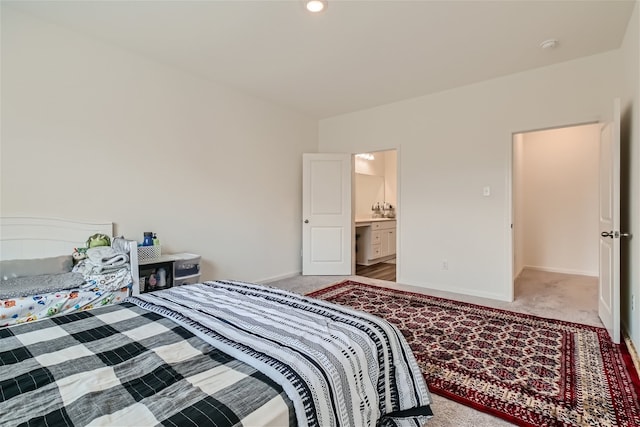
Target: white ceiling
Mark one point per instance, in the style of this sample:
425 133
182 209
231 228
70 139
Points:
356 54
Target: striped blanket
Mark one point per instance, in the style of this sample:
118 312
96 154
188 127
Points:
219 353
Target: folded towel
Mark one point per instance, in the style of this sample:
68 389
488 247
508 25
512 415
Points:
110 268
98 254
102 260
106 256
115 261
120 245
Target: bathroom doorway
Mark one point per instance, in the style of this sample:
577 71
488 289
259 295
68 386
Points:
376 214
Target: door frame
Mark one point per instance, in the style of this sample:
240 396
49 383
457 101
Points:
398 209
510 235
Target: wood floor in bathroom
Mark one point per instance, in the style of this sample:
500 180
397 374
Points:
381 271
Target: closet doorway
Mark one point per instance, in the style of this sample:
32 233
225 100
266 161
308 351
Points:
376 214
555 202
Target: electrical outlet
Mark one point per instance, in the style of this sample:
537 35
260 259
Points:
445 264
633 302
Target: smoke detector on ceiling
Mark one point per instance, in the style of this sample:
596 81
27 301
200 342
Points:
549 44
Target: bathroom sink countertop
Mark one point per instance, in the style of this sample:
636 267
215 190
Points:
368 220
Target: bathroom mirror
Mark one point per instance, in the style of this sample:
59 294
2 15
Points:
369 189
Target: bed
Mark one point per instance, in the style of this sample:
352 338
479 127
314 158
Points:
221 353
38 278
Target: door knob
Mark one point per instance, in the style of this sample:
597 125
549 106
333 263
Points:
306 221
614 234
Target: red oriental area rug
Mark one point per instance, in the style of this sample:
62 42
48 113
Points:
526 369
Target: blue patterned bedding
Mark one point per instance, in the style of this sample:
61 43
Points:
40 306
96 291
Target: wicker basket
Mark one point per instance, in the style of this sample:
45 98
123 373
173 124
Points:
149 252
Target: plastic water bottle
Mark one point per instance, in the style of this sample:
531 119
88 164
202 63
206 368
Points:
162 277
148 239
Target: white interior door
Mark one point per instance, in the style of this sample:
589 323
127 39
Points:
326 214
609 253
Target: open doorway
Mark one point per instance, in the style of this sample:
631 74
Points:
375 211
555 207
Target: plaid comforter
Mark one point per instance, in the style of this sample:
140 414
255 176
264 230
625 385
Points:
122 365
220 353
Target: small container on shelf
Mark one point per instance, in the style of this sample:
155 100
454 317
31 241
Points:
186 264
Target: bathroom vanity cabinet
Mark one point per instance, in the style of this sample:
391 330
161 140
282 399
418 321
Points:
375 240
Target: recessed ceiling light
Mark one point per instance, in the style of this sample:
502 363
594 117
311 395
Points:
549 44
316 5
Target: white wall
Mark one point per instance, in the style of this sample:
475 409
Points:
93 132
454 143
391 177
631 165
559 172
81 121
369 190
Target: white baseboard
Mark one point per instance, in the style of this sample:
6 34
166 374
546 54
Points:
457 290
518 273
561 270
280 277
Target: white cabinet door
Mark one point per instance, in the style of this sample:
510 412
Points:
391 236
388 239
384 242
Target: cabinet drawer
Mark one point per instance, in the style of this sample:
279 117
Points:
188 280
382 225
375 251
188 261
186 265
376 237
186 269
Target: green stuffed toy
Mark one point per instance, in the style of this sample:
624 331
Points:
98 240
94 241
